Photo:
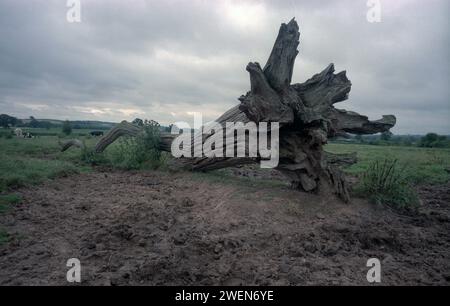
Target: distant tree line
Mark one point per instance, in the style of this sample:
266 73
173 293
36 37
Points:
91 125
7 121
430 140
433 140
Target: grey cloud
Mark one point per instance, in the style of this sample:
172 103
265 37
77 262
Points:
162 59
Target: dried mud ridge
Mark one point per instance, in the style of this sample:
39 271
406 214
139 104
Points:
156 228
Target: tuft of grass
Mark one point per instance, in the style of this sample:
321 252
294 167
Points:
7 200
385 182
4 236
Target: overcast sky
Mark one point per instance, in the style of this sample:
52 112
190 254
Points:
163 60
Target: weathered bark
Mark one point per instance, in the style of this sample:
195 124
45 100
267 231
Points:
305 112
263 103
341 160
280 65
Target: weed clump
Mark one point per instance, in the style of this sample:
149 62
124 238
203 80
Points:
386 183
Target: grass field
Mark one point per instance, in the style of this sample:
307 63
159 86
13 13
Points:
422 165
30 161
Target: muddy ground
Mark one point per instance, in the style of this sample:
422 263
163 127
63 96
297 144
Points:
162 228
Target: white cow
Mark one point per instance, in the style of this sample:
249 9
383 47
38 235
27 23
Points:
18 132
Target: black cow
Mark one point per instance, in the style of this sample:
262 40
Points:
96 133
28 135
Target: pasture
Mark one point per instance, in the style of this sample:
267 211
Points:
30 161
421 165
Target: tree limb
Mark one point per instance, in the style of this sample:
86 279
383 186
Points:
71 143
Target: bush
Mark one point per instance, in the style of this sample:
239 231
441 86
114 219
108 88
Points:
141 151
385 183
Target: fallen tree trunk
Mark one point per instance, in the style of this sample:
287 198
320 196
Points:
71 143
305 113
122 129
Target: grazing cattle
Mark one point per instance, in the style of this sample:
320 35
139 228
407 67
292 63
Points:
18 132
28 135
96 133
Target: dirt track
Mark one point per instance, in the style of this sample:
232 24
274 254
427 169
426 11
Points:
157 228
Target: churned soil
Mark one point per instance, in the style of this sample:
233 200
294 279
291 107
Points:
165 228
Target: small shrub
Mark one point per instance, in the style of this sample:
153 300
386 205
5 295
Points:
127 154
385 183
141 151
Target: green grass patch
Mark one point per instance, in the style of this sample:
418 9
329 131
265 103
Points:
4 236
21 171
29 147
422 165
7 200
